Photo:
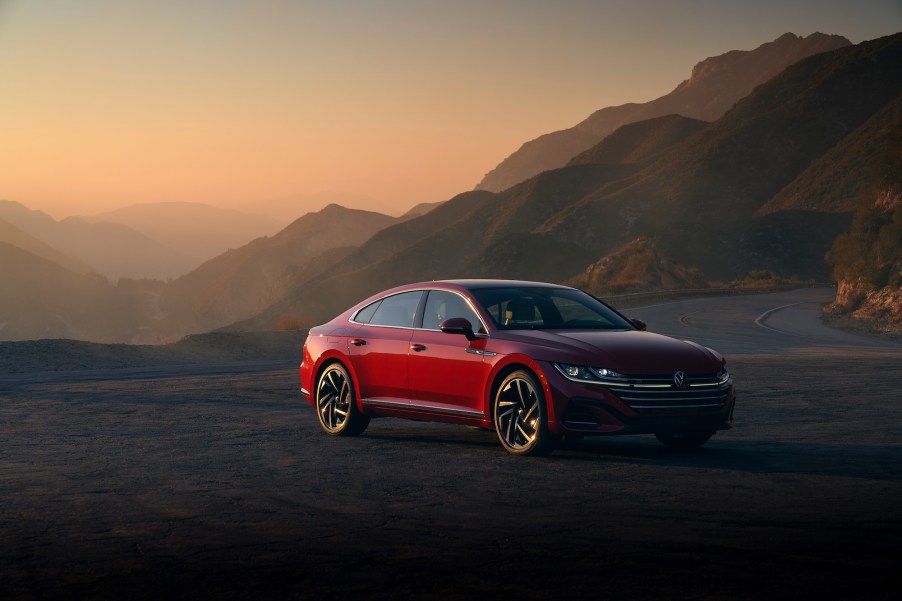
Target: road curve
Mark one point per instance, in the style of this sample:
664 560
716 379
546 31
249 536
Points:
783 322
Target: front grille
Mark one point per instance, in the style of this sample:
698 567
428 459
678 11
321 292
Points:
646 394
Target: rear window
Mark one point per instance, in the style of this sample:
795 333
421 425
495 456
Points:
399 310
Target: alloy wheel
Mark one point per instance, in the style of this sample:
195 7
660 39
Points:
520 416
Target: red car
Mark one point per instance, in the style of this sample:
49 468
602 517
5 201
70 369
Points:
534 362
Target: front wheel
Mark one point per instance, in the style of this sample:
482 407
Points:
335 403
520 416
684 439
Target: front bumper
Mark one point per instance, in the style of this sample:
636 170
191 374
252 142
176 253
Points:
594 409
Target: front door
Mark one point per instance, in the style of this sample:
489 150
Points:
445 370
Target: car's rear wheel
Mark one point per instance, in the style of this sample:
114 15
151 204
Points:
684 439
335 403
521 420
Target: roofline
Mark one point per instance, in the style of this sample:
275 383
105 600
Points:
493 283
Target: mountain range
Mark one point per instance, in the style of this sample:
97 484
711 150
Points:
714 86
193 229
669 200
242 282
698 197
111 249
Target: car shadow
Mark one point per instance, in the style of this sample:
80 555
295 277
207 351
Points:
873 462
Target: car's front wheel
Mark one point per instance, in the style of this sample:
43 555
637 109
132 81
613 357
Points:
520 416
684 439
335 403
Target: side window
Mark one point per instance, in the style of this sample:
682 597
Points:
441 305
366 314
398 310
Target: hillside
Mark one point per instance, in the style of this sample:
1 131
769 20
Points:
835 180
700 197
640 141
242 281
867 261
637 266
113 249
697 198
714 86
194 229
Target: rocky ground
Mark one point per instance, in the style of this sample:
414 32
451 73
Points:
212 480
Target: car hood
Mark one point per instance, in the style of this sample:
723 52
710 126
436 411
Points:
629 352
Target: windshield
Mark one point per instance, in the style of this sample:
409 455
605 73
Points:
537 308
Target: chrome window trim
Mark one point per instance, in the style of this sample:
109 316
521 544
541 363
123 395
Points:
360 323
426 290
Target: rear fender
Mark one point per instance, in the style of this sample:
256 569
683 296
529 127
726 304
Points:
331 356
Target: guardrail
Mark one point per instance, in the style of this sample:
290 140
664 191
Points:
623 301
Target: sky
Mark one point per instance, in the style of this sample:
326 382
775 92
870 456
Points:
376 104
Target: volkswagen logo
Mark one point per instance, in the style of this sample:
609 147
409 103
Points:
680 380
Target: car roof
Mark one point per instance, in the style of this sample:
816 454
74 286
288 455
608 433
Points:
487 283
460 285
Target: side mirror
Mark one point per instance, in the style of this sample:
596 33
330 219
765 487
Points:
458 325
638 323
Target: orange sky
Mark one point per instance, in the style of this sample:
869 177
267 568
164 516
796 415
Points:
384 103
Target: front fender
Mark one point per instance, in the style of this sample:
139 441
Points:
509 363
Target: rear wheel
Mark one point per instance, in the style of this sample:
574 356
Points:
335 403
520 416
684 439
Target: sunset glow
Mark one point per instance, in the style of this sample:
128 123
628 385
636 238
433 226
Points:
386 104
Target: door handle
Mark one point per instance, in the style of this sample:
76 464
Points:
418 347
358 342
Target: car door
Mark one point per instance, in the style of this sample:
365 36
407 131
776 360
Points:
445 370
379 348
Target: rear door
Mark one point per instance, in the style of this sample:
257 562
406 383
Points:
379 348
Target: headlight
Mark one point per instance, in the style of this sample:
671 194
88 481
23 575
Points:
591 375
724 377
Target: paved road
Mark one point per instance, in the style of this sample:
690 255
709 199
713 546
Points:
784 322
219 484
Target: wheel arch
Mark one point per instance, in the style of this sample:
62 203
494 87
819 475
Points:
328 359
510 364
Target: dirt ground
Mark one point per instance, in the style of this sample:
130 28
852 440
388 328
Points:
217 483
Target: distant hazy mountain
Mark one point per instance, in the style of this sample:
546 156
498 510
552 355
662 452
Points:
697 198
41 299
715 85
113 249
19 238
195 229
422 208
288 208
243 281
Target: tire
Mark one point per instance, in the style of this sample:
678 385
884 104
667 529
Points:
684 440
521 419
336 404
